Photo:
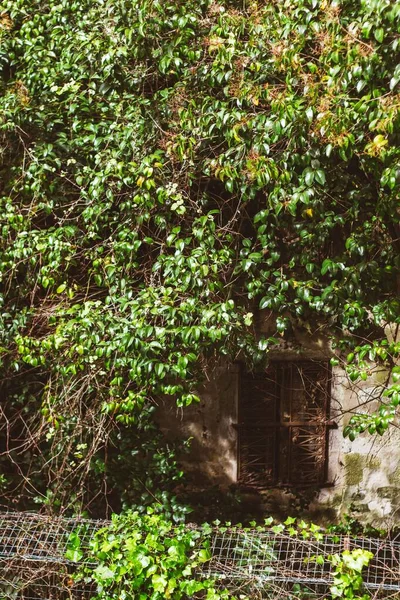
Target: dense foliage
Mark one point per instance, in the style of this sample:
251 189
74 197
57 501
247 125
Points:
169 169
145 556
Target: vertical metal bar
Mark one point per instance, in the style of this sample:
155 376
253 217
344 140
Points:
288 474
327 418
277 429
239 440
237 416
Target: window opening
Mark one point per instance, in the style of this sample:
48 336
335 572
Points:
283 425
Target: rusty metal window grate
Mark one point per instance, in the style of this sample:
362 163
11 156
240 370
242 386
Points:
283 425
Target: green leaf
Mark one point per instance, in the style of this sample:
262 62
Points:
204 555
309 178
229 185
61 288
326 266
310 267
320 176
103 573
159 583
328 150
265 302
74 552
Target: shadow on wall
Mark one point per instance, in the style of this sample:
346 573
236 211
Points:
212 458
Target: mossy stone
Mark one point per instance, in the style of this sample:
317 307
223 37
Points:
381 376
391 493
394 478
373 462
354 464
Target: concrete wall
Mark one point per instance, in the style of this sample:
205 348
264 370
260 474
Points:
365 473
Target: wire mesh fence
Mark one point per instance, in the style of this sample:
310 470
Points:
36 537
261 563
34 556
36 562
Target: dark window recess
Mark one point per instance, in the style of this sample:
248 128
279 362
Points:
283 425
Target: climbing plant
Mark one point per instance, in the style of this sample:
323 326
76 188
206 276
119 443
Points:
169 171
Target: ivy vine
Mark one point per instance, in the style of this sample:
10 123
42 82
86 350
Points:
170 169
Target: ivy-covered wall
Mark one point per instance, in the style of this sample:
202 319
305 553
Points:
169 169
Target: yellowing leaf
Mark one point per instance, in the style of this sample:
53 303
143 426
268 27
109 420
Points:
377 145
61 288
380 141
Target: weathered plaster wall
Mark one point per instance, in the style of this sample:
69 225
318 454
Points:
365 473
210 425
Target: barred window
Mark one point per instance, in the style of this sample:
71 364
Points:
283 425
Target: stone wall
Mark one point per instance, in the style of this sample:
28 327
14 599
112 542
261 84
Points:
364 474
366 471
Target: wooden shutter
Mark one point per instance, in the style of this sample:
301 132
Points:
283 421
258 413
